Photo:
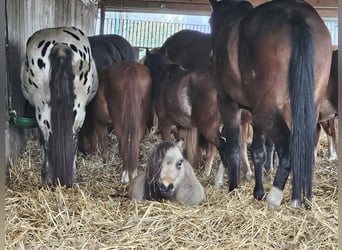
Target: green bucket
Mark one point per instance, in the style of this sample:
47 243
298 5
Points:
23 122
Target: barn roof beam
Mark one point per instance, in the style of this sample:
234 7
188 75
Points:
199 7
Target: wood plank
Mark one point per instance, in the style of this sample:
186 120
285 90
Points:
199 7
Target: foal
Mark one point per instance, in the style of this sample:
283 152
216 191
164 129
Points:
167 176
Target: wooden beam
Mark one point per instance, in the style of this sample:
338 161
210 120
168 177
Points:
198 7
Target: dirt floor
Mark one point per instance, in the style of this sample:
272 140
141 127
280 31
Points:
95 213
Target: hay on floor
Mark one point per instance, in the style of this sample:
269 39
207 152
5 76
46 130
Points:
96 214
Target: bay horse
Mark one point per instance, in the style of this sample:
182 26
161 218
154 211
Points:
192 50
263 58
185 100
59 79
167 176
123 101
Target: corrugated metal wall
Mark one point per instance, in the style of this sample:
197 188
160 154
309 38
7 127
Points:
24 17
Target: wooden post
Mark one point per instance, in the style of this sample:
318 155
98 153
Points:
102 16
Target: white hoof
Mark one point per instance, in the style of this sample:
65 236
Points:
125 176
274 198
295 203
333 157
249 175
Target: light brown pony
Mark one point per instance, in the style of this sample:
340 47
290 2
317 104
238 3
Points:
123 101
329 109
167 176
184 100
263 58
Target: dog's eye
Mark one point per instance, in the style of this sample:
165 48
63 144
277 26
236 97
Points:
179 164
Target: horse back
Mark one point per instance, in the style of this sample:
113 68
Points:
123 47
188 48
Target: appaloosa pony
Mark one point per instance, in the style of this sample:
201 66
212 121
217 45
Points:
263 58
59 78
167 176
123 101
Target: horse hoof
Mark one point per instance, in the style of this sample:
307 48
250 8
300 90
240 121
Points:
274 198
259 195
296 203
125 177
249 175
333 157
232 187
218 184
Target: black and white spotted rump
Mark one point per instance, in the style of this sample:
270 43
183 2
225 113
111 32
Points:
59 79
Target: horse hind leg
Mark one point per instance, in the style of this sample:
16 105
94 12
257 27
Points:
245 166
47 173
270 152
332 148
210 154
259 159
219 175
280 134
331 132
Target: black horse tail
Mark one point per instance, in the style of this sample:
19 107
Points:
303 113
62 151
130 122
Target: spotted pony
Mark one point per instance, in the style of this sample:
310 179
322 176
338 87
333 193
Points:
59 78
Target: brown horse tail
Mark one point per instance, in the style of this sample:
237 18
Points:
131 118
62 151
303 113
191 145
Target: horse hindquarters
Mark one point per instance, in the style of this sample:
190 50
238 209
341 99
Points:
300 157
129 112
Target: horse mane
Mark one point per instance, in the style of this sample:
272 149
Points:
161 67
153 169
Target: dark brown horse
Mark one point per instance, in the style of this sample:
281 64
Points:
123 101
264 58
188 48
191 50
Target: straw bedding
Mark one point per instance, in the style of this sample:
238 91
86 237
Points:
95 213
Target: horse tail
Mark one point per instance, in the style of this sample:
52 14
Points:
191 145
130 123
303 113
62 151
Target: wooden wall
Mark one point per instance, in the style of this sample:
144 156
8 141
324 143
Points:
24 17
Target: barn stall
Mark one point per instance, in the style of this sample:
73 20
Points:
96 212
